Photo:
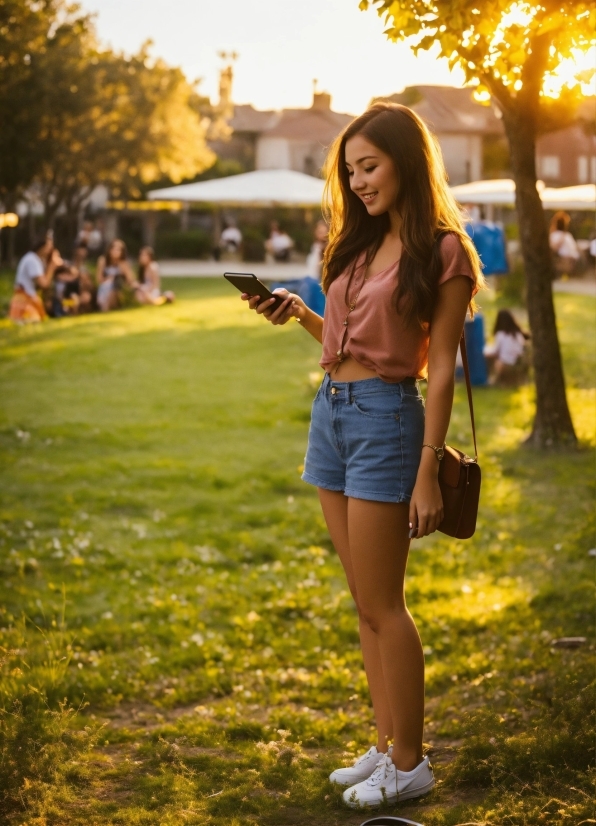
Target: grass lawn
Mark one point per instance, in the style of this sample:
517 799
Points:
177 643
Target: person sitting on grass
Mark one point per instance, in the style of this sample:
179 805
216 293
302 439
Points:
86 281
507 355
35 272
71 294
399 274
148 288
114 277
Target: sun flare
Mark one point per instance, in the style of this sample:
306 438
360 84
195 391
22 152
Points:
579 68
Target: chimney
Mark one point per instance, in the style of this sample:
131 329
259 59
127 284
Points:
321 101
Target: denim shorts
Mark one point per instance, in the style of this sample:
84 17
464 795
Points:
365 438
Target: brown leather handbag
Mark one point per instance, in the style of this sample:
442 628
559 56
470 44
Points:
459 478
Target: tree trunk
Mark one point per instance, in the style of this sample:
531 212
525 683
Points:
552 424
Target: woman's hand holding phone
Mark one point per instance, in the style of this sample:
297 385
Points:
292 307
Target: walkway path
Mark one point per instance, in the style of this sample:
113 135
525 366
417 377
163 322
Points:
285 272
213 269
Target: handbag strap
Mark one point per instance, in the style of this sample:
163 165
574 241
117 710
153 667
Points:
464 358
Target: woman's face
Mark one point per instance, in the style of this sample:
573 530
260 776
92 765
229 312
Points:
373 177
115 251
144 259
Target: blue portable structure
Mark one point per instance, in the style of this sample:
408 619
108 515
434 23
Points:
309 290
474 333
489 240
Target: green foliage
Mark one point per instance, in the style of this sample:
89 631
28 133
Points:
87 115
512 287
192 243
151 467
502 47
253 244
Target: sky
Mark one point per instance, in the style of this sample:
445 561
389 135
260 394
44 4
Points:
282 45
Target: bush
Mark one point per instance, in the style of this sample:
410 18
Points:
512 287
191 243
253 244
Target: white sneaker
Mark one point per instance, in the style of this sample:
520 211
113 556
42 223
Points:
361 770
389 784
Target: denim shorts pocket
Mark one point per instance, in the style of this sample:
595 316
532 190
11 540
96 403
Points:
378 405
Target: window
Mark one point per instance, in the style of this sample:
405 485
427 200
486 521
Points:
550 166
586 169
582 169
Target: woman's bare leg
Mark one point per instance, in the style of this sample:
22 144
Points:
335 511
379 544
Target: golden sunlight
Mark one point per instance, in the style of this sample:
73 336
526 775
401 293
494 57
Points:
579 68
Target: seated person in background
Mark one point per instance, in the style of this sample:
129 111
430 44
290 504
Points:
279 244
114 277
563 244
86 284
35 272
231 238
91 237
507 357
148 286
71 295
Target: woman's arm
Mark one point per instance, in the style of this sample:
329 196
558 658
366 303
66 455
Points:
101 263
292 307
45 280
128 273
426 506
153 273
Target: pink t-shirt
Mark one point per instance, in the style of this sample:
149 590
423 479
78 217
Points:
374 333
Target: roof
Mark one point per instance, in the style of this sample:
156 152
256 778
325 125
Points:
449 109
319 124
248 119
315 125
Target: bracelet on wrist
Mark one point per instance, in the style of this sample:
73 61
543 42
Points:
439 451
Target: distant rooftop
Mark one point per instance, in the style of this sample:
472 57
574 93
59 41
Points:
319 123
449 109
248 119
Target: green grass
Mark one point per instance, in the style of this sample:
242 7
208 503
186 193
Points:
177 644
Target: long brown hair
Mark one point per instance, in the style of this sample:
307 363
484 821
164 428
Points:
123 252
142 267
424 202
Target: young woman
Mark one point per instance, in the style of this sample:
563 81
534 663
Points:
399 274
113 274
148 289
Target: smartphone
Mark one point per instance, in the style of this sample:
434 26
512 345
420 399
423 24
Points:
250 284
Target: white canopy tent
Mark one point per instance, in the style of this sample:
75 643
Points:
501 192
263 188
570 197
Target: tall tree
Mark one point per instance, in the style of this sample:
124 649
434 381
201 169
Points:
510 49
75 115
23 35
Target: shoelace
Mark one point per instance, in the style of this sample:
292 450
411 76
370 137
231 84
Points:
363 758
380 771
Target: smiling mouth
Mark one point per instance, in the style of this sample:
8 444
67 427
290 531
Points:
369 196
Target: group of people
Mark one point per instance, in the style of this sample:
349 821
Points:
46 285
